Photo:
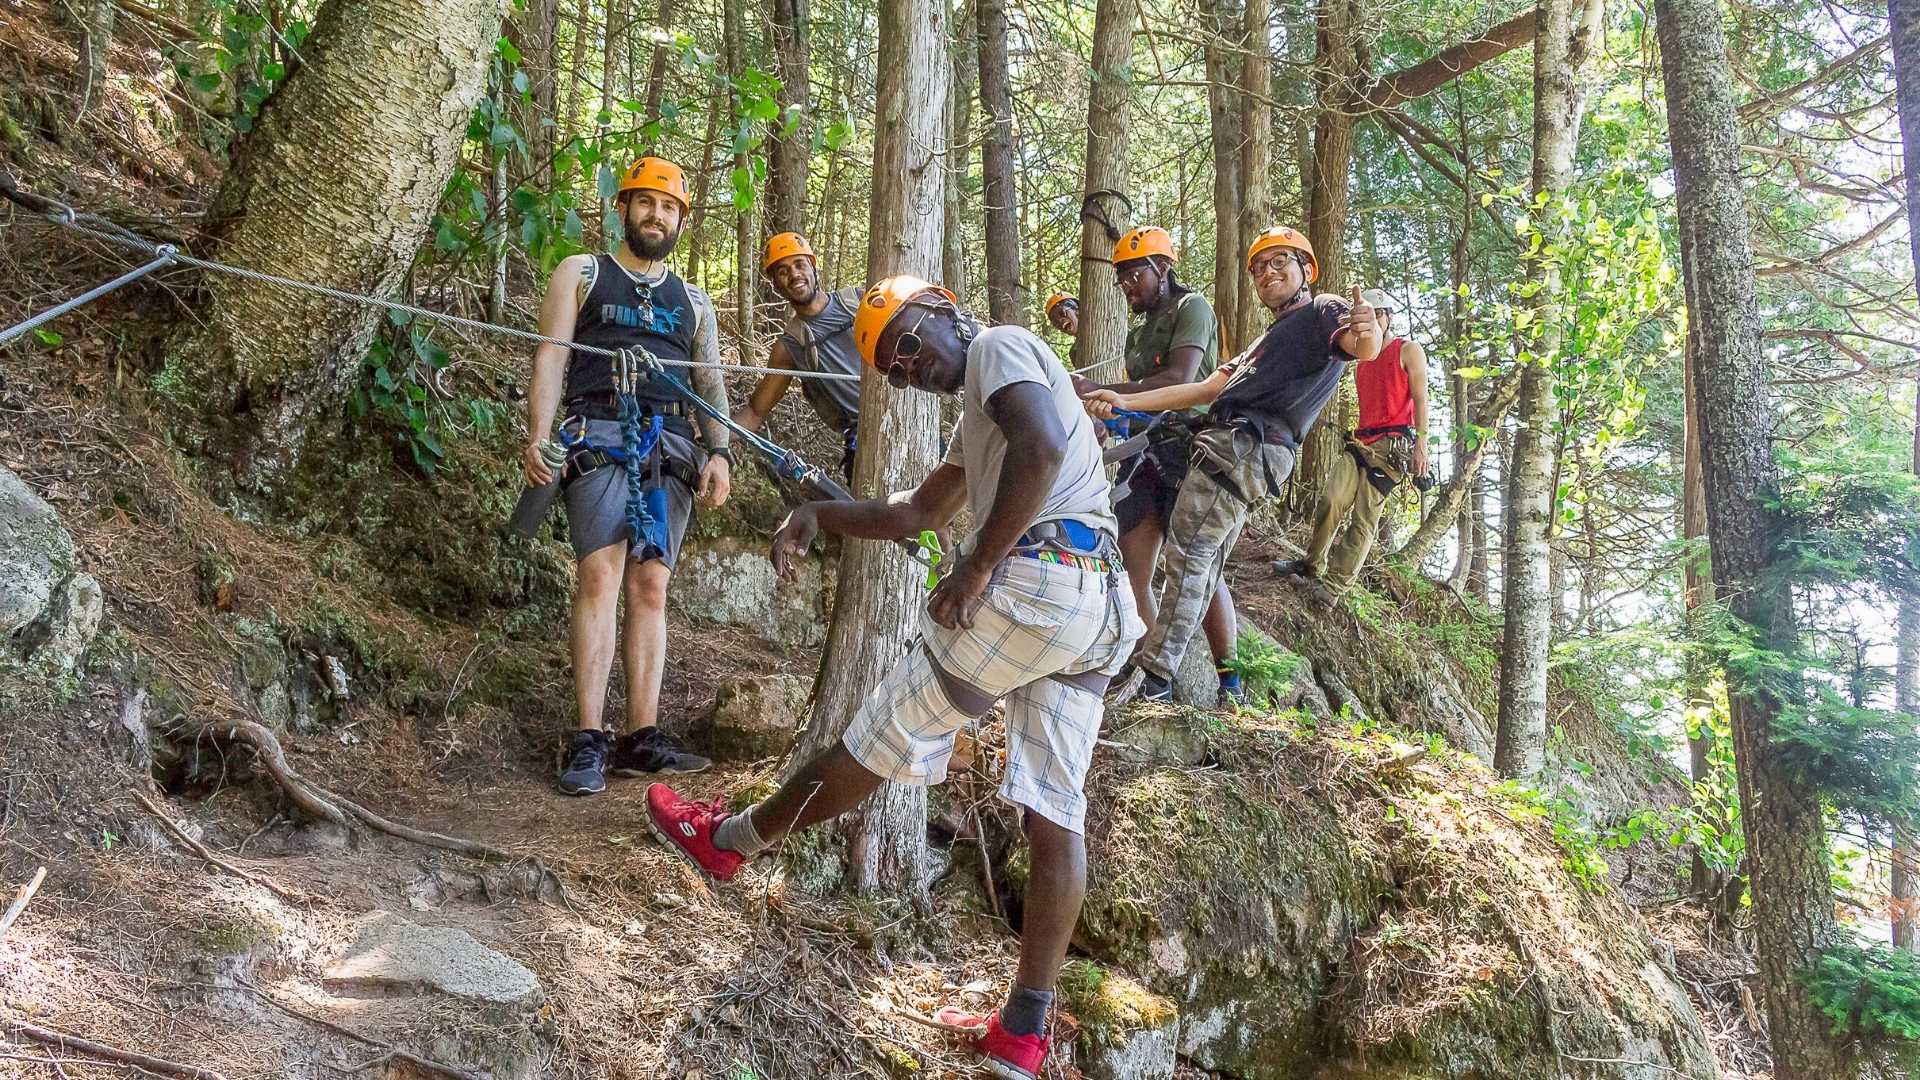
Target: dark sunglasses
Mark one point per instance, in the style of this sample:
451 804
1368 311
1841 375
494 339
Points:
906 347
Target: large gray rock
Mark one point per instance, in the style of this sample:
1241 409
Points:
1127 1032
726 581
390 955
754 717
49 608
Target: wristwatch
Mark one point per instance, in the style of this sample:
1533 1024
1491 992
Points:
722 452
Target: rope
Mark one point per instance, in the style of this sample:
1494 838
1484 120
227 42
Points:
66 217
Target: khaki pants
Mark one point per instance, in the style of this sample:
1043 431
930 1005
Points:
1350 491
1205 524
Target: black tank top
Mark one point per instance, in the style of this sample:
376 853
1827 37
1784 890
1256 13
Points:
620 313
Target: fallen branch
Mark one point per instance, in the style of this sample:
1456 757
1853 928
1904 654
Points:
75 1044
21 899
389 1052
166 822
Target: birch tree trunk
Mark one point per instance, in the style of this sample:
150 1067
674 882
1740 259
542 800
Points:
879 600
996 169
1562 57
336 185
1785 827
1103 312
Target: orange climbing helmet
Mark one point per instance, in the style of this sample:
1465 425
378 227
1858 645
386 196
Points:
1142 242
1279 236
656 174
883 300
783 245
1056 300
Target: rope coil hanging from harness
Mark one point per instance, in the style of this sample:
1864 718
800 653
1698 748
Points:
640 437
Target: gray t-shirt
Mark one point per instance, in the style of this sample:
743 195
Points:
1000 357
825 343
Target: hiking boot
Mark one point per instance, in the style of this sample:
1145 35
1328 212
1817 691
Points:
687 827
650 750
1322 595
583 771
1008 1056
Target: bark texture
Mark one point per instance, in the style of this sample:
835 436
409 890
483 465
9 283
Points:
1256 161
1793 902
1229 246
787 155
336 185
746 279
879 600
1904 17
1103 312
1563 54
996 168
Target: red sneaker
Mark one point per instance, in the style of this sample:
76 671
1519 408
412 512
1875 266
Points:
1008 1056
687 827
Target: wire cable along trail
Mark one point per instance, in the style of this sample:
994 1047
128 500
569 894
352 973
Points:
786 463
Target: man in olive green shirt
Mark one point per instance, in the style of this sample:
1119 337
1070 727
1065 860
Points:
1177 341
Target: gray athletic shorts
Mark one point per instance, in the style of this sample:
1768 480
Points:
597 502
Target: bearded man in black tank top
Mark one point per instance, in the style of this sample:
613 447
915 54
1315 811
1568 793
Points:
627 299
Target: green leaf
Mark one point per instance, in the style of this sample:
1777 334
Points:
207 83
503 135
273 71
507 50
1471 372
398 317
520 82
46 337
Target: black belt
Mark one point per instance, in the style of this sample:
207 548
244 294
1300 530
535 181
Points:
607 407
1371 432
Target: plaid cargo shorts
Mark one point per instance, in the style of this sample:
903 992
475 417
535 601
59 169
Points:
1038 619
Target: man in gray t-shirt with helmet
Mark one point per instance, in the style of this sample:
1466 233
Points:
1036 612
818 337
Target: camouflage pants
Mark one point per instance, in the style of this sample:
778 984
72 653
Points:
1205 524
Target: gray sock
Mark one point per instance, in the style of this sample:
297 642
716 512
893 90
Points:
1025 1012
736 833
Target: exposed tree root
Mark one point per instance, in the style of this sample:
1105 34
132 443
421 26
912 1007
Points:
75 1044
329 806
166 822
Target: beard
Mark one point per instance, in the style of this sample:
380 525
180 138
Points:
801 293
651 250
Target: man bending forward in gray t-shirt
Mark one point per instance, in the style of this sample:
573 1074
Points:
1036 612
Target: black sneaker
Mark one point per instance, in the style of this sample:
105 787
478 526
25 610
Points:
1155 688
1299 568
1118 689
584 770
651 750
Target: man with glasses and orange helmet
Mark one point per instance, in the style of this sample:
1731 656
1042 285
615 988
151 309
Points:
628 299
818 337
1176 342
1036 612
1063 312
1261 404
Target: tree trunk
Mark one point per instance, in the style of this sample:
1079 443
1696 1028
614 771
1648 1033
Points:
610 60
1785 828
1452 496
1562 54
337 185
966 72
745 279
657 70
92 23
702 184
1696 583
1229 247
1103 312
535 33
879 599
1905 32
576 71
787 157
996 169
1336 72
1256 160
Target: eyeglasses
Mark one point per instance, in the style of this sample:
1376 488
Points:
1124 278
906 347
1272 266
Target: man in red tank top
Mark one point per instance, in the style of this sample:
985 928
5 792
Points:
1387 446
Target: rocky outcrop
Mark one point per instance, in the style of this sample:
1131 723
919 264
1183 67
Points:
49 608
754 717
392 956
1323 899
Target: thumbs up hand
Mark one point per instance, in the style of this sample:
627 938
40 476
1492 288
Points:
1360 317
